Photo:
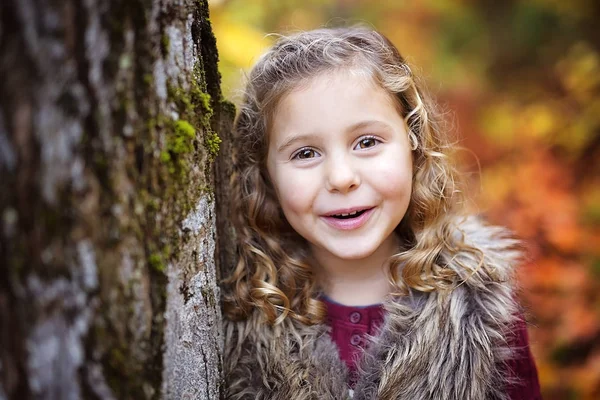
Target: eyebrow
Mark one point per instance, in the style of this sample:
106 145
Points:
313 136
298 138
364 124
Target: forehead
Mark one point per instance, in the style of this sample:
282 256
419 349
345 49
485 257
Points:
330 100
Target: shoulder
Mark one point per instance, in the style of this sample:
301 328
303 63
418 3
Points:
255 335
483 252
485 257
493 282
255 342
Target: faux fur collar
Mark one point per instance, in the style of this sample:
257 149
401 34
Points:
431 346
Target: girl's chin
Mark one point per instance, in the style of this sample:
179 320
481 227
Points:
355 250
349 253
354 256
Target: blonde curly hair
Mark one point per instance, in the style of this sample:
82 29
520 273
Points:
274 273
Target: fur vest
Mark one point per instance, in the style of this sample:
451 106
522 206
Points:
431 346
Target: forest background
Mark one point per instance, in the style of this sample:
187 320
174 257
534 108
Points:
520 81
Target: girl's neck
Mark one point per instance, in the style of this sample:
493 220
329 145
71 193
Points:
358 282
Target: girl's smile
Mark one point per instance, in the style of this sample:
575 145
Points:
348 219
341 165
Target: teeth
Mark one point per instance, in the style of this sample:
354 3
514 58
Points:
345 215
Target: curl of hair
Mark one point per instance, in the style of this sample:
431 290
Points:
274 274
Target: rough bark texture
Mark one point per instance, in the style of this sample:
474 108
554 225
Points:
109 113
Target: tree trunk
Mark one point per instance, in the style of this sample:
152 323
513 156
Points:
109 113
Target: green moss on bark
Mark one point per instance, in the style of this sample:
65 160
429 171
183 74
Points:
195 105
212 142
165 42
180 137
156 263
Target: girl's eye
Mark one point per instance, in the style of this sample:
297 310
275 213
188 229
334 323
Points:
305 154
365 143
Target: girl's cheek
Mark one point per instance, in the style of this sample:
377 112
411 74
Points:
393 176
295 190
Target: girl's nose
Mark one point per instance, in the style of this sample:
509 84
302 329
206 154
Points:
342 175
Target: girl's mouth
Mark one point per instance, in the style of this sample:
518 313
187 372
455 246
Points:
353 214
349 221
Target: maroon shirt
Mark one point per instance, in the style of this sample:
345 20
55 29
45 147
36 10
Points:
349 325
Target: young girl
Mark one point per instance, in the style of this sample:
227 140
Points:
358 276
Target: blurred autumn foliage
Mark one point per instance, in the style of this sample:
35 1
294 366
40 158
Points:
521 80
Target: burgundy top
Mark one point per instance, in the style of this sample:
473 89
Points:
349 325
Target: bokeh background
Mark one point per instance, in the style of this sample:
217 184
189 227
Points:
521 81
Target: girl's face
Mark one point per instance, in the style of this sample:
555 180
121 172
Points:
340 161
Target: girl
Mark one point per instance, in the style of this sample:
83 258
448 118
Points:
357 275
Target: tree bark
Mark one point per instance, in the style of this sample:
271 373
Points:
109 120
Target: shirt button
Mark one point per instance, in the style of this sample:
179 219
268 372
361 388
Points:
355 317
355 339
